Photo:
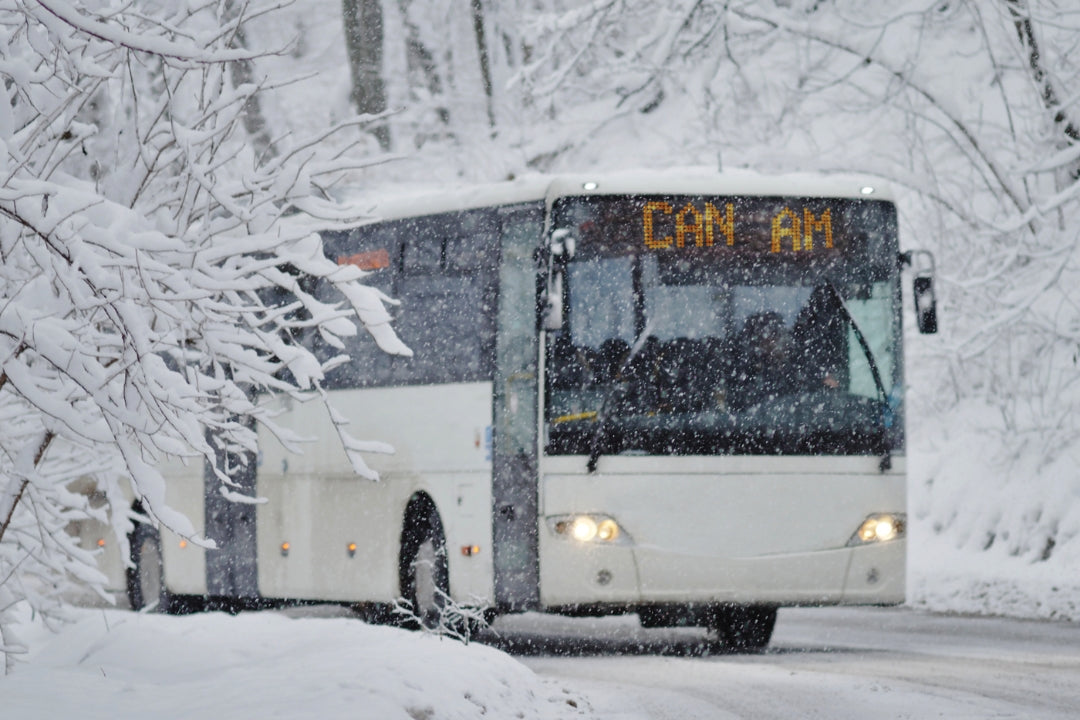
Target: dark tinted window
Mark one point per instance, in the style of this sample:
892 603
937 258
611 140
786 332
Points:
442 270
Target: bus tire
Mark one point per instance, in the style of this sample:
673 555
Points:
146 579
744 627
424 572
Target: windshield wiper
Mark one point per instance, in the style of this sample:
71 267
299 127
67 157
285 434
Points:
595 441
886 458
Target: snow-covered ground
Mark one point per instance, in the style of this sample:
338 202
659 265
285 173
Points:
120 665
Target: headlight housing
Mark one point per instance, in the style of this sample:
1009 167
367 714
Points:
878 528
588 528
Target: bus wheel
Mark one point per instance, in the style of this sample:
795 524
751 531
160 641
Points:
425 575
146 581
744 627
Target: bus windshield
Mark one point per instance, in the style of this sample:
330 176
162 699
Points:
752 336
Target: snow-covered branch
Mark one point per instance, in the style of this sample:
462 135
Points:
148 284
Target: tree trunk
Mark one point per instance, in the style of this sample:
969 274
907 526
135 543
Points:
242 72
1026 32
485 62
421 61
364 43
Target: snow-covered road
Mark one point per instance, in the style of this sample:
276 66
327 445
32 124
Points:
823 663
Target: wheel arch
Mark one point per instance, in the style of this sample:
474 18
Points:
420 518
140 523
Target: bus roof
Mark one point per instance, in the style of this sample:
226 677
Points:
413 200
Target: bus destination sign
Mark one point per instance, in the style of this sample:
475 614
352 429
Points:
761 226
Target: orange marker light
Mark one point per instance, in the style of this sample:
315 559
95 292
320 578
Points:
372 260
101 542
183 544
285 549
470 550
351 549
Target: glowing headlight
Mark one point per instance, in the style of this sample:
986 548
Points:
583 528
607 530
881 527
587 528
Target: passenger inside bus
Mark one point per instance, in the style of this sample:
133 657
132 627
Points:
820 341
763 368
766 359
773 360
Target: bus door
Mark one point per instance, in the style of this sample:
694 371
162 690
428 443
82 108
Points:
514 482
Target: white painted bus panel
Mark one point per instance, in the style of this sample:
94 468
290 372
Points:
573 572
731 528
184 566
876 574
319 517
442 447
467 519
97 537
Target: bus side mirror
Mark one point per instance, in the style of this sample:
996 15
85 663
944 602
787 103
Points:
925 304
558 252
922 287
552 310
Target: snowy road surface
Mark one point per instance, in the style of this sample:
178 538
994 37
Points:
823 663
321 662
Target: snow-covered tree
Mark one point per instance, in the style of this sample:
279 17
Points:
149 264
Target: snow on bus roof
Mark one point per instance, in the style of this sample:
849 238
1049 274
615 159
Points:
417 200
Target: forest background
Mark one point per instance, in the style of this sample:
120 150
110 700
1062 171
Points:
966 108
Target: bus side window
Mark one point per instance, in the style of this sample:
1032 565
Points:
474 247
368 366
447 307
422 242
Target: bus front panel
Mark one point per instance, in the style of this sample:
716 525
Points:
723 402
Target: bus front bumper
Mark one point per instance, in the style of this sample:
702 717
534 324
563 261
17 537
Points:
863 575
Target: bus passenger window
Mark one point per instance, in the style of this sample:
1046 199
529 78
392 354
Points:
423 246
474 244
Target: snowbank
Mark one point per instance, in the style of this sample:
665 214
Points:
994 524
114 665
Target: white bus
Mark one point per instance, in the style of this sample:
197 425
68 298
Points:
672 394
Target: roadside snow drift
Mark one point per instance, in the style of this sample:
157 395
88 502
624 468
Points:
118 665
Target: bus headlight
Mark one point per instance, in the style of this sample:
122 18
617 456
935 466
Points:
587 528
583 529
880 527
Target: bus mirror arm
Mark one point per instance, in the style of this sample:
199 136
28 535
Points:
922 285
